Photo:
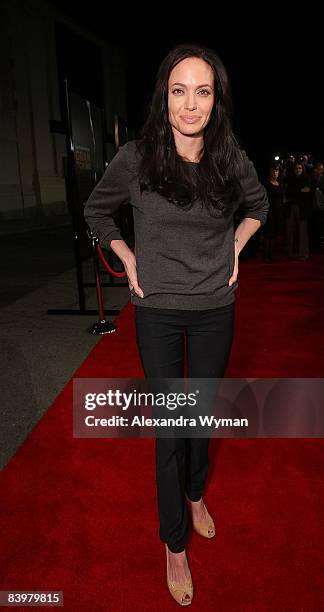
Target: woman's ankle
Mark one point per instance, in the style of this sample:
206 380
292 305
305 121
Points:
195 498
175 552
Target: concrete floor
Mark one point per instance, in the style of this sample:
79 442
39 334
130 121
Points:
40 352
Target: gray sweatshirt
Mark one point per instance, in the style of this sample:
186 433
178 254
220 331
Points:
184 258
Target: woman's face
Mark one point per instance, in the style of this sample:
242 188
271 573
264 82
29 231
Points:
298 169
274 173
190 96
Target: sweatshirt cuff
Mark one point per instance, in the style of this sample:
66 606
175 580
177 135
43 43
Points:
114 235
259 216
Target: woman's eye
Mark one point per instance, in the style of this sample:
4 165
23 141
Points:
205 92
176 91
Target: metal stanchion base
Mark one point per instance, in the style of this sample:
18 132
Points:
102 327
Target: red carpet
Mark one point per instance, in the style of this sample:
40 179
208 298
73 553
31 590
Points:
79 515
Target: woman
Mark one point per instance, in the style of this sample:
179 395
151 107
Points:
299 208
185 178
273 223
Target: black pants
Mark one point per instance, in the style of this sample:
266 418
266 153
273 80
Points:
182 463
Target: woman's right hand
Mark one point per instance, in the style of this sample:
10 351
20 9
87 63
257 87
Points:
131 271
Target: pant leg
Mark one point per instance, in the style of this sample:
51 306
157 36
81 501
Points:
303 238
291 223
316 231
160 340
209 341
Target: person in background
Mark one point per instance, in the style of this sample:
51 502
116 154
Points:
298 196
316 217
308 163
274 219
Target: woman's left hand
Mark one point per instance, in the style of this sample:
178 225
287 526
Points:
234 276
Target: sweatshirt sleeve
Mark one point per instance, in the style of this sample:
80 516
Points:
254 200
110 192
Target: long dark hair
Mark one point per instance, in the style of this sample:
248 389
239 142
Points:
161 169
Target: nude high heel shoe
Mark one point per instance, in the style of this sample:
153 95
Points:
205 528
180 590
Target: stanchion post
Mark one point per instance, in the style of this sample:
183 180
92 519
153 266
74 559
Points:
102 326
74 199
97 276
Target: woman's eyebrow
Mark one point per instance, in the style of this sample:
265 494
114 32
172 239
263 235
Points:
182 85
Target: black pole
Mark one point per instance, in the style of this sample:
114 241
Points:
97 276
74 199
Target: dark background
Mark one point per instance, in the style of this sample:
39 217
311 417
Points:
275 66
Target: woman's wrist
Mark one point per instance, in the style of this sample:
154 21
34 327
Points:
244 232
237 245
122 250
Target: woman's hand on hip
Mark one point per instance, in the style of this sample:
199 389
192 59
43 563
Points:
131 271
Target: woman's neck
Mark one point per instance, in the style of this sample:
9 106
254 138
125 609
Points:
190 148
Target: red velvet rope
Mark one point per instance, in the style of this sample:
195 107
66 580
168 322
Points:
106 264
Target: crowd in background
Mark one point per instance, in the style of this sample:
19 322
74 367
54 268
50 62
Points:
295 187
